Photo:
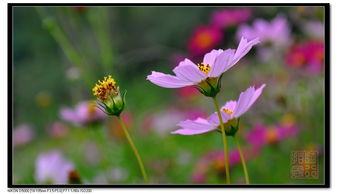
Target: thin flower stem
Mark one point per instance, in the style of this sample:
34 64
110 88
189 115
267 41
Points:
225 149
139 159
242 160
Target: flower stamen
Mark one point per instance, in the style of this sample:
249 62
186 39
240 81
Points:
230 112
106 88
203 67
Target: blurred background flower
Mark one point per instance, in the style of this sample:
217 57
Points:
53 168
84 113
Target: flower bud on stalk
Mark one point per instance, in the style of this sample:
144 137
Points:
110 100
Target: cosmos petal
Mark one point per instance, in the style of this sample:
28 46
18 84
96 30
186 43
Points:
222 63
167 81
243 102
256 95
243 48
210 57
193 127
247 99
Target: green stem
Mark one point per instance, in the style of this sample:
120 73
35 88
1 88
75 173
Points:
225 149
134 149
242 160
98 21
69 50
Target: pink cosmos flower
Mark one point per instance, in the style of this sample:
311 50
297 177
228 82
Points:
229 112
276 31
229 17
84 113
201 75
204 39
308 56
52 168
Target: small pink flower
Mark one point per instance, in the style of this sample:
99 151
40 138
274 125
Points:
231 110
204 39
229 17
215 63
84 113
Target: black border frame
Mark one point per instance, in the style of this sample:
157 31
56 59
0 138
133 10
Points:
326 90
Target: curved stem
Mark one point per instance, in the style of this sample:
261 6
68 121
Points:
134 149
242 160
225 149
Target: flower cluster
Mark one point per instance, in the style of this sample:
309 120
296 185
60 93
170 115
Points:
206 77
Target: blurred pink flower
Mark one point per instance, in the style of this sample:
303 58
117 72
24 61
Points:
84 113
52 168
276 31
230 17
204 39
261 135
58 129
308 56
22 135
229 112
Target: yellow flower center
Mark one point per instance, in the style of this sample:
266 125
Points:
203 67
227 111
106 88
